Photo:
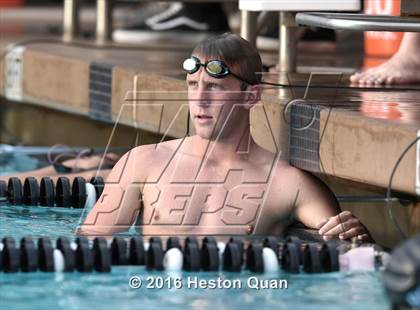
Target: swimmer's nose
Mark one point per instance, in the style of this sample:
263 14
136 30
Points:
202 99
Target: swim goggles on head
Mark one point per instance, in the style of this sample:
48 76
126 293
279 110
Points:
215 68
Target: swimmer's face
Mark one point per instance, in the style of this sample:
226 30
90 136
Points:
216 105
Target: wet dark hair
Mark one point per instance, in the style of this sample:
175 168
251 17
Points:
241 56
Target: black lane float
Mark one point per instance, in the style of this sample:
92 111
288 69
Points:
83 255
46 194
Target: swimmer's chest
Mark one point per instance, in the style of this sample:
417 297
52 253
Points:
208 199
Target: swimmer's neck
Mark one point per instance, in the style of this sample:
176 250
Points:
226 148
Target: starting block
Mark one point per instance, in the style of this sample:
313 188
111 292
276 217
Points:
287 26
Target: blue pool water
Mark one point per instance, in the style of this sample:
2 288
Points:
17 162
111 291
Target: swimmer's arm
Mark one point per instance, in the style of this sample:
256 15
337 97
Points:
313 202
117 208
316 207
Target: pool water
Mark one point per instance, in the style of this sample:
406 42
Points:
18 163
76 290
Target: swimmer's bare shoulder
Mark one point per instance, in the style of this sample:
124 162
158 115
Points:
136 165
117 208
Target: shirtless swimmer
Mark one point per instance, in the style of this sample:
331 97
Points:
219 181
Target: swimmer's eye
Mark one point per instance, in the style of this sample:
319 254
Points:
214 86
192 84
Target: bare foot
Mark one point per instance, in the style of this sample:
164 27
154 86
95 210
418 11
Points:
402 68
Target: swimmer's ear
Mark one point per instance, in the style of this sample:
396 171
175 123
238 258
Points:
252 96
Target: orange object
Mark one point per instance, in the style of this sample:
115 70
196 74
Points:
382 44
10 3
372 62
381 110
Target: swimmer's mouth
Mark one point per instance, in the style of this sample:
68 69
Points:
202 116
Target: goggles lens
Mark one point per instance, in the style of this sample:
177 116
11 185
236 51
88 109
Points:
191 65
215 67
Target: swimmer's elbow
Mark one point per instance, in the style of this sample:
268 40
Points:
92 232
85 231
96 231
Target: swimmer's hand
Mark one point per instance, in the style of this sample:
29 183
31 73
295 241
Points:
343 226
